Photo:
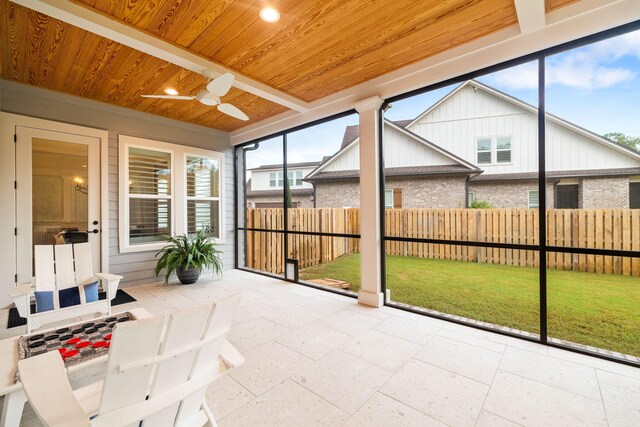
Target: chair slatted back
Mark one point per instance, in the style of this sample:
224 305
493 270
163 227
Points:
132 341
219 322
183 330
45 272
62 266
84 267
65 275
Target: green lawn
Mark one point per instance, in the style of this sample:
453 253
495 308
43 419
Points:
600 310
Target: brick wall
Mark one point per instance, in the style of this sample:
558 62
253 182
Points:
513 194
338 194
598 193
441 192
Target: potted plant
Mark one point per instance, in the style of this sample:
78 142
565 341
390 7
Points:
187 257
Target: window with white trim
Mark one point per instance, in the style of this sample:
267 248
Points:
503 149
483 148
167 189
298 178
388 198
493 150
471 197
203 195
273 179
534 199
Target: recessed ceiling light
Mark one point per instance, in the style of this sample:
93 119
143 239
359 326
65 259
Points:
269 14
170 91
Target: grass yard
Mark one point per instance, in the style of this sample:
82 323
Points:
599 310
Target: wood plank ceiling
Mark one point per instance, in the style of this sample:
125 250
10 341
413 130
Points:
318 47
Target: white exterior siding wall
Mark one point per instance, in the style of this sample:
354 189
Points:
260 179
135 267
400 151
457 122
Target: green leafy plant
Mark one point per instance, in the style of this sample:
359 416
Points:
480 204
187 252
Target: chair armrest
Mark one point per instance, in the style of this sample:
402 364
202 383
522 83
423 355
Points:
107 276
20 290
44 379
230 355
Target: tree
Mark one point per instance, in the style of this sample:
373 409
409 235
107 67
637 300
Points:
628 141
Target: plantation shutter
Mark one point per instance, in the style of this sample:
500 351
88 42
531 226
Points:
203 195
149 195
397 198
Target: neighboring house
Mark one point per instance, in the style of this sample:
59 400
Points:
265 187
477 143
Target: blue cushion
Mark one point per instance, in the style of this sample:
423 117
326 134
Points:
69 297
91 292
44 301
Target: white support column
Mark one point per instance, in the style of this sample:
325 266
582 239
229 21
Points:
370 242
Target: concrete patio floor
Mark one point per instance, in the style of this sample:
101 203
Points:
316 358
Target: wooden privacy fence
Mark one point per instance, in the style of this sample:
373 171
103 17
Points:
617 229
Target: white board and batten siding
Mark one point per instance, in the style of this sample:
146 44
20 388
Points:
136 267
469 114
399 150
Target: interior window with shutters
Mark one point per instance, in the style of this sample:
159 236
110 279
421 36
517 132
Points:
503 149
203 195
483 148
149 195
167 190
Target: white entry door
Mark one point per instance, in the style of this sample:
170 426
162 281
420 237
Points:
58 193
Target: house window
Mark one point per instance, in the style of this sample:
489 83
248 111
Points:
503 149
273 179
483 146
388 198
567 196
298 178
280 179
494 150
167 189
471 198
149 195
534 199
203 195
634 195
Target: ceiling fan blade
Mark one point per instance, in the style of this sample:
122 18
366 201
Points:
233 111
221 84
177 97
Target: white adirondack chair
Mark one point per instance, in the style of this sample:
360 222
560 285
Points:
156 373
54 274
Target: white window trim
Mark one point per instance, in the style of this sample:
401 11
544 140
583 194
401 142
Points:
178 189
194 152
529 199
385 198
494 150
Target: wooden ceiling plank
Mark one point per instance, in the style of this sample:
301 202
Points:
122 33
16 37
531 15
52 52
362 71
184 34
36 33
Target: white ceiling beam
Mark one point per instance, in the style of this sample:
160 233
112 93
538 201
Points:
109 28
568 23
530 15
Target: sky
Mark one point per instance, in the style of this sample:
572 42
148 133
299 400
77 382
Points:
596 87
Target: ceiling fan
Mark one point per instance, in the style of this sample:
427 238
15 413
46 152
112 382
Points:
216 88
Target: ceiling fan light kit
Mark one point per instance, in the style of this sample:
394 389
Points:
216 88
